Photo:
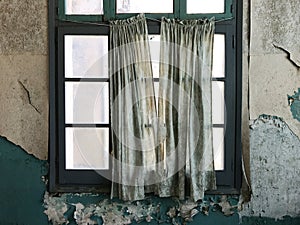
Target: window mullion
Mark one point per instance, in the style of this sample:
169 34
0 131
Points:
109 9
177 8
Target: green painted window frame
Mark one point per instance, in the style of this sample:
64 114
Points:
229 23
109 12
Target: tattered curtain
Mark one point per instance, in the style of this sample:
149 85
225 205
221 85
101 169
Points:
132 108
185 106
175 148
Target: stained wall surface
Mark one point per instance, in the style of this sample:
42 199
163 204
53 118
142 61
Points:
274 75
270 70
24 74
274 58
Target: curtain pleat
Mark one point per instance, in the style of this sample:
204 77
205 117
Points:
185 103
172 154
132 109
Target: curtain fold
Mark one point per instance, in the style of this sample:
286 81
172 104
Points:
133 110
172 154
185 103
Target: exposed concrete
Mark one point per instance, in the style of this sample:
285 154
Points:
275 22
23 27
24 102
275 169
24 74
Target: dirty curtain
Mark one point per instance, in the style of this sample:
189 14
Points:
132 109
185 106
174 149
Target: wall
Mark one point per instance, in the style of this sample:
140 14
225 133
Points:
24 74
271 73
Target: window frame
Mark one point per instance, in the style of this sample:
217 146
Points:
230 24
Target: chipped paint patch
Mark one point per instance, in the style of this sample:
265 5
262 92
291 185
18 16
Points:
294 102
55 209
62 209
69 208
275 169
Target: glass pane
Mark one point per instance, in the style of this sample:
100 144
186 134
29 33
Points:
87 102
154 42
144 6
218 144
205 6
218 102
83 7
219 56
87 148
86 56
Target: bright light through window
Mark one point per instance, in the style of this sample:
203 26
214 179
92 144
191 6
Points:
205 6
144 6
84 7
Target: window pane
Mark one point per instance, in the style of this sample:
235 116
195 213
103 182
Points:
219 56
87 102
218 103
84 7
205 6
218 144
154 42
87 148
86 56
144 6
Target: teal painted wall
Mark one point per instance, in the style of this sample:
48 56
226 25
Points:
22 195
21 188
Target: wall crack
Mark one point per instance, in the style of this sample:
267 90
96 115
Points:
28 96
292 59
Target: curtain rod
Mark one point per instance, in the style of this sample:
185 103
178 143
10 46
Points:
217 21
107 25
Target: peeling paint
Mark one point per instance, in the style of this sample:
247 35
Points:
55 209
188 210
60 209
294 102
271 78
275 169
295 61
226 207
106 211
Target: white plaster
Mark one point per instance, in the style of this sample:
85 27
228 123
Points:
275 21
272 78
20 122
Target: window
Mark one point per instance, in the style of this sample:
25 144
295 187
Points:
79 86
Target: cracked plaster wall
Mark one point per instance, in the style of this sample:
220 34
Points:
273 74
275 170
24 74
273 69
274 58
